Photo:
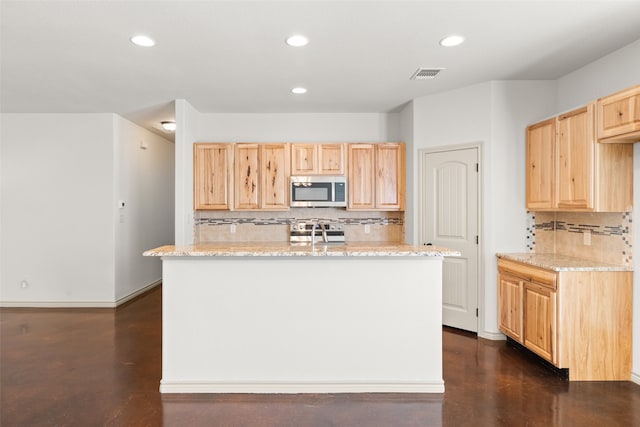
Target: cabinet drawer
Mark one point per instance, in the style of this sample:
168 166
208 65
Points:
529 273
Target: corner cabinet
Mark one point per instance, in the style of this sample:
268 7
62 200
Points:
619 116
317 159
567 170
261 176
212 176
576 320
376 176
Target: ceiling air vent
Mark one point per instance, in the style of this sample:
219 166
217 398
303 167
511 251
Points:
426 73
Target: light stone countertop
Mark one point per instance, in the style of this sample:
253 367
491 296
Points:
284 249
556 262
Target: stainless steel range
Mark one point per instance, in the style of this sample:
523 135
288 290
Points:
303 232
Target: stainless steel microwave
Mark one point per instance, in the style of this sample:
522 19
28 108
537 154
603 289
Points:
320 191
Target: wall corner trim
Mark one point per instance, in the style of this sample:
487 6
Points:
494 336
139 292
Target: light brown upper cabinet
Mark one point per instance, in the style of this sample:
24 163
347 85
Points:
568 170
212 176
574 171
261 176
317 159
376 176
541 148
619 116
274 194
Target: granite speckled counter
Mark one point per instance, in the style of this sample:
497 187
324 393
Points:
277 249
556 262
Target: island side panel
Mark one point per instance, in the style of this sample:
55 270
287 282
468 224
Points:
303 324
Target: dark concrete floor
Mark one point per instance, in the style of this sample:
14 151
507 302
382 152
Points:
94 367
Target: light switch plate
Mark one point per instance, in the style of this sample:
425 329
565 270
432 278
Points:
586 235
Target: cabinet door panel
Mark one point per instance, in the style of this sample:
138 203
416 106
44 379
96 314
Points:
247 163
541 165
331 159
619 116
275 174
510 306
212 175
361 177
390 176
304 159
575 159
540 320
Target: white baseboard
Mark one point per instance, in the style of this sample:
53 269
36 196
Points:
78 304
138 292
57 304
635 377
494 336
292 387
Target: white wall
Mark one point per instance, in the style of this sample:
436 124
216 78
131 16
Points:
406 132
460 116
61 232
144 180
187 125
56 203
493 114
614 72
514 105
366 127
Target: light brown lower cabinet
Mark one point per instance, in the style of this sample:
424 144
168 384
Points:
576 320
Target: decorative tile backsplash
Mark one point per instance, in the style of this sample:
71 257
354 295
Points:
564 233
216 226
288 221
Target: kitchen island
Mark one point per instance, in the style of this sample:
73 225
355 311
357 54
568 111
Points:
280 318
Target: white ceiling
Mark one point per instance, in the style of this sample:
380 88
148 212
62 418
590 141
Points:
230 56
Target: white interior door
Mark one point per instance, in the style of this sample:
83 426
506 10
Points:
449 217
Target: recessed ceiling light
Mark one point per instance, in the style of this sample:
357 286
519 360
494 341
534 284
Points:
142 40
168 126
297 41
452 41
299 90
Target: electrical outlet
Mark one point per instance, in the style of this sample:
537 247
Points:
367 228
586 236
233 228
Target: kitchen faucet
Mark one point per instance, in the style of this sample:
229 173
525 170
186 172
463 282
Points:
313 235
325 238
